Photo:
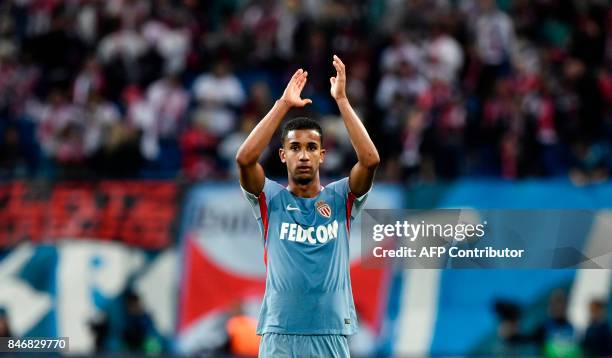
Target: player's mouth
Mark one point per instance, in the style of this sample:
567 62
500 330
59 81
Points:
303 169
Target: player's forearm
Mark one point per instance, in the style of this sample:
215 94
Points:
260 136
362 143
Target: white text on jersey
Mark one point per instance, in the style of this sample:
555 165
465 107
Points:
321 233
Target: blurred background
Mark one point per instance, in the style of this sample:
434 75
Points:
121 221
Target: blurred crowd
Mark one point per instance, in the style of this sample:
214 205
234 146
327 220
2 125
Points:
170 88
540 331
552 335
135 333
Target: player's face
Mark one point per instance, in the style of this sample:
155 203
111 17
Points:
303 154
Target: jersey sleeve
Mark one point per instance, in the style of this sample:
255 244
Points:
354 204
261 202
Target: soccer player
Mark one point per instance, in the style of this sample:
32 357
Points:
308 308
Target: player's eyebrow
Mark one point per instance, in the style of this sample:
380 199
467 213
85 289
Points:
308 143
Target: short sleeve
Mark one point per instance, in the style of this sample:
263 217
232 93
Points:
262 200
356 203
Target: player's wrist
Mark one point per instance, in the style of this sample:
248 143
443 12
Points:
284 103
340 99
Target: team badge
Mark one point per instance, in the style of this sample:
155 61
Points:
324 209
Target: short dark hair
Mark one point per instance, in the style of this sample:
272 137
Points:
300 123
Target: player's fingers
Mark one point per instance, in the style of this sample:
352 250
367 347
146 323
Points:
336 65
332 80
302 79
339 61
296 75
297 83
339 69
302 83
306 101
301 74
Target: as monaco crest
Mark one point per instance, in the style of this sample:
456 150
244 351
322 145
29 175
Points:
324 209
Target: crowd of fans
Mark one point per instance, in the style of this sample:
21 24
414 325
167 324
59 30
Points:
551 332
167 88
553 335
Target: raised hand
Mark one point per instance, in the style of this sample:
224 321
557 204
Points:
292 94
338 83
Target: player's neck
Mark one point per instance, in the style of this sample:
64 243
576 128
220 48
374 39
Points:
309 190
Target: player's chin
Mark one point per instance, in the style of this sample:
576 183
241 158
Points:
303 178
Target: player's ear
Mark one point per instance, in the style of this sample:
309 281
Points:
322 156
281 154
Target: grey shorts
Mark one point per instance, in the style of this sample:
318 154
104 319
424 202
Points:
303 346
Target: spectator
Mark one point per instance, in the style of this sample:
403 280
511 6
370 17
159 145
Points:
337 143
588 162
171 40
59 130
243 340
127 58
141 115
405 83
100 327
495 43
261 20
556 335
511 341
18 79
120 155
97 116
259 100
219 94
357 88
5 327
90 79
444 55
169 102
131 12
502 128
139 335
10 152
401 49
597 341
229 146
199 148
411 156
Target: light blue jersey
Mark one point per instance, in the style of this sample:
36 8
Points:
306 245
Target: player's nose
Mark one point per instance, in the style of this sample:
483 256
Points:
303 156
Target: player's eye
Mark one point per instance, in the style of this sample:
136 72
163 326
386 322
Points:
294 147
312 147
